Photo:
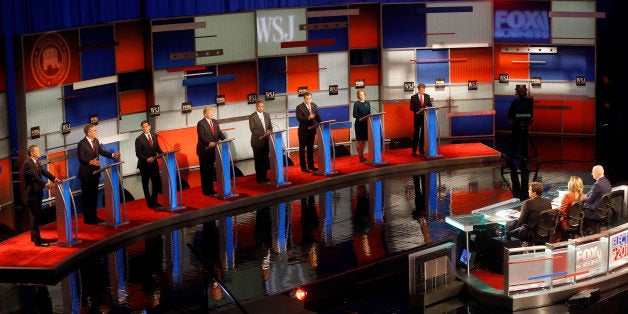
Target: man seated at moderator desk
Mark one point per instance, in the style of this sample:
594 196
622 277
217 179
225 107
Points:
530 212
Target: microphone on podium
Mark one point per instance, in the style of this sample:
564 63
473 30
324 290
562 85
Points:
168 146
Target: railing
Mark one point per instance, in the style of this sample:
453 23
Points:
573 262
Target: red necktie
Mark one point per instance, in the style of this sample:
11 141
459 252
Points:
94 146
37 166
211 125
421 98
150 140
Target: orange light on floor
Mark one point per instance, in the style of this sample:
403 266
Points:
300 294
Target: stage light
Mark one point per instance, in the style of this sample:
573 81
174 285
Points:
300 294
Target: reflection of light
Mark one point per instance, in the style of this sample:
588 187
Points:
300 294
366 246
313 255
501 213
266 265
216 291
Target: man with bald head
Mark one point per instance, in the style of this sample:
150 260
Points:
592 200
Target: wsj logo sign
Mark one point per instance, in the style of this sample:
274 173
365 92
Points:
522 24
275 29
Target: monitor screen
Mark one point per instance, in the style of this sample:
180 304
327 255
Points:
463 257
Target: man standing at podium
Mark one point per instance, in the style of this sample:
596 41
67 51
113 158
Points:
418 102
261 128
208 133
34 190
146 150
87 152
307 115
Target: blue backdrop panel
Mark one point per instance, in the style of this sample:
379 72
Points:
101 100
568 63
472 125
272 74
428 72
502 104
338 113
165 43
403 25
97 52
340 35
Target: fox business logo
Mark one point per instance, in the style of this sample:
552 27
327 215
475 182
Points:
522 24
50 60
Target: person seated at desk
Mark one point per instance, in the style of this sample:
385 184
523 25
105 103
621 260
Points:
574 194
592 200
531 208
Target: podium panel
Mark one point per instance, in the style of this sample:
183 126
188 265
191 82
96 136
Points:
224 170
375 138
169 178
114 216
67 228
326 154
430 131
278 159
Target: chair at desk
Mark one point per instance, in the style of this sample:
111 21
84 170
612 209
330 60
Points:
575 219
546 226
599 216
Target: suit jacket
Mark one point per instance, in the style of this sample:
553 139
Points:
598 189
143 150
33 183
205 136
302 113
415 105
565 206
257 130
85 153
531 209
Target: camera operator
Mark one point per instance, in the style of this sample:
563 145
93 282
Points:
519 117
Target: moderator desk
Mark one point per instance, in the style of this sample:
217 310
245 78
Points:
500 213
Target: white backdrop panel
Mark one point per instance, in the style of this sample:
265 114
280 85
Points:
169 93
43 109
460 27
337 69
132 122
574 31
233 33
461 91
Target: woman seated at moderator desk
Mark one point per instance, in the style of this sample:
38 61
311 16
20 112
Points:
574 193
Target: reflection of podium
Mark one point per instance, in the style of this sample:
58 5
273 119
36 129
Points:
113 216
376 138
326 154
430 131
224 170
65 208
170 179
278 159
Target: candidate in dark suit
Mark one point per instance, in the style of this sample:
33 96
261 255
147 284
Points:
34 190
87 151
261 127
307 115
146 148
208 133
419 101
530 212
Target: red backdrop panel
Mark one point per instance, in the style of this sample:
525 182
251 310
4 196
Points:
398 120
130 49
478 66
244 84
132 101
364 29
6 192
302 71
503 64
578 119
370 74
51 59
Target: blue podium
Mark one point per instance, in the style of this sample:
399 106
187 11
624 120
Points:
376 138
67 228
170 179
114 216
430 131
278 159
325 149
225 178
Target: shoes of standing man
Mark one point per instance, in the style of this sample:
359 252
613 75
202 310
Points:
94 222
304 170
42 243
211 193
313 168
264 180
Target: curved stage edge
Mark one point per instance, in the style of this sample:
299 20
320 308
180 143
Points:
134 231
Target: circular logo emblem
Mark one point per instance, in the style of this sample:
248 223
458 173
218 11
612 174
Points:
50 60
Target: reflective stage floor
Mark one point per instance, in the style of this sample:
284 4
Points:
345 246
